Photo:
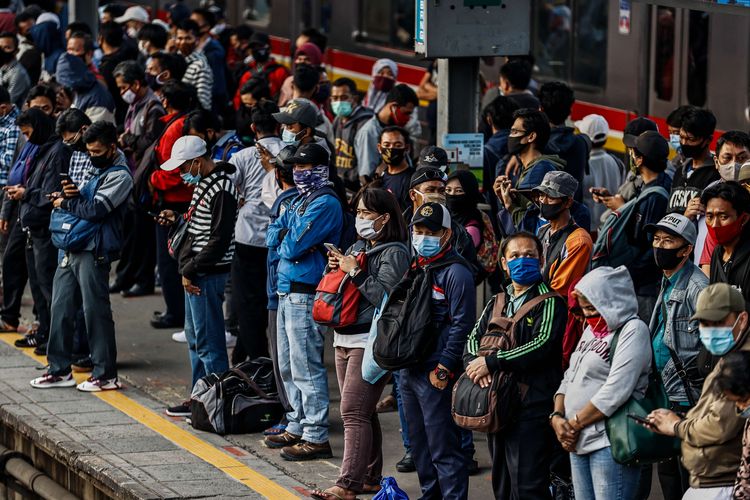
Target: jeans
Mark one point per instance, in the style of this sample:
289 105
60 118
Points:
204 327
435 438
170 279
41 262
597 476
82 283
401 415
15 274
249 298
363 440
300 345
274 351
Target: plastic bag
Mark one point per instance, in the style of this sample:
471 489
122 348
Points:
390 490
371 372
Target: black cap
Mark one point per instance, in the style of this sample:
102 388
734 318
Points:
259 38
298 111
426 174
281 160
311 153
653 146
433 216
636 127
433 156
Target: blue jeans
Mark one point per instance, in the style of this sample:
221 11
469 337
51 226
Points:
401 414
300 351
204 327
597 476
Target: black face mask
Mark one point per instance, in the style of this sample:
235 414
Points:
692 150
242 122
667 258
6 57
261 54
551 212
393 156
151 82
515 146
101 162
458 203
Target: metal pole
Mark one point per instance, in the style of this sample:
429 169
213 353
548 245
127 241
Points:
458 96
86 11
34 480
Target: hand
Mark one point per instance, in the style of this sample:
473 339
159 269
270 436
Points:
695 208
438 384
189 287
265 159
663 421
611 202
333 261
57 202
166 217
70 190
503 188
4 226
566 434
477 369
485 381
347 262
15 192
511 170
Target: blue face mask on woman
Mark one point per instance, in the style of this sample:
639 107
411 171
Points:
426 246
525 270
718 340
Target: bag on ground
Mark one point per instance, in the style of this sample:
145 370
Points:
390 490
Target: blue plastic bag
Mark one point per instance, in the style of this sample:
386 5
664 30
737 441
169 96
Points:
390 490
371 372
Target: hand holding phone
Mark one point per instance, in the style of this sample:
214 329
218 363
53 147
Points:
641 420
600 192
333 248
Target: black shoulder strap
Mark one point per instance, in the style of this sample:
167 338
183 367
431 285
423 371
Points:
203 194
227 148
315 195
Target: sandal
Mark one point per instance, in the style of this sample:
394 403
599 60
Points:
369 489
329 495
387 404
275 430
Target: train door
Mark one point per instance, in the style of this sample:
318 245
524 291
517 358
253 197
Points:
678 59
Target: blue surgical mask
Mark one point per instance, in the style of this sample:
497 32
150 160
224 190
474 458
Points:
719 340
189 178
525 270
341 108
674 141
426 246
744 413
289 137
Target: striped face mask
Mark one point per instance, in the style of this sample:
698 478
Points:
311 180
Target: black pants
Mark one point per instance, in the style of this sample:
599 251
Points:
138 258
249 299
15 274
673 478
521 456
41 262
169 276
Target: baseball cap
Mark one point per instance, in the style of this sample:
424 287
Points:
558 184
259 38
744 173
653 146
186 148
676 225
135 13
636 127
311 153
426 174
281 160
433 156
298 111
594 126
432 215
716 301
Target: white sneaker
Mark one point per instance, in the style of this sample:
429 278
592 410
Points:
49 381
99 384
231 339
180 337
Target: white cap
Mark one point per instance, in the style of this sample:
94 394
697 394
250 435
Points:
186 148
135 13
594 126
161 23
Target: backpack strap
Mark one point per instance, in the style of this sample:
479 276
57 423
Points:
211 184
531 304
227 148
250 382
660 190
497 318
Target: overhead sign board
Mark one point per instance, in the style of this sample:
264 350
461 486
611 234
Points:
465 148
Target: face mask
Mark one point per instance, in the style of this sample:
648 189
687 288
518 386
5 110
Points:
667 258
719 340
366 228
189 178
726 234
426 246
729 171
308 181
393 156
129 96
260 54
598 326
400 119
72 143
525 270
142 48
383 83
323 93
515 145
674 141
101 161
341 108
133 33
744 413
432 197
458 203
6 57
290 138
551 212
692 151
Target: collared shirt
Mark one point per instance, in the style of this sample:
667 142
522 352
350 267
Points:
515 303
661 351
9 135
81 169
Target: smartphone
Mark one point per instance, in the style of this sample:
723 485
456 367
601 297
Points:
64 177
332 248
158 216
600 192
639 419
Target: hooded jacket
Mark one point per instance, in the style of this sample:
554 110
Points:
52 159
344 132
593 376
280 206
572 148
46 35
90 97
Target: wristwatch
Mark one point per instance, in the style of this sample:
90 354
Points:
555 414
354 272
442 374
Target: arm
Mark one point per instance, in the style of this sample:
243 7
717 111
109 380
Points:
574 265
57 162
8 143
204 83
366 151
152 129
322 217
277 229
460 292
393 264
111 193
426 90
475 335
719 425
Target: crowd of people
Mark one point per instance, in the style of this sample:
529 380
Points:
184 154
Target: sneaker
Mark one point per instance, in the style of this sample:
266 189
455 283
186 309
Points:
83 365
41 349
28 341
180 337
406 464
473 467
282 440
7 327
230 339
99 384
181 410
49 381
307 451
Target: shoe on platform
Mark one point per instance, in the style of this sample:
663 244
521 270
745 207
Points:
7 327
305 450
41 349
179 337
49 381
282 440
137 291
406 464
115 287
31 340
180 410
161 321
99 384
82 365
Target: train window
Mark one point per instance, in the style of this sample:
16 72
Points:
571 40
388 22
697 60
317 13
258 12
664 57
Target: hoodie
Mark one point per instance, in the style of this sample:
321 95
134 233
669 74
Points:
574 150
344 132
593 376
46 35
90 97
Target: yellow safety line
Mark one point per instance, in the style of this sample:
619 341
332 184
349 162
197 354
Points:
182 438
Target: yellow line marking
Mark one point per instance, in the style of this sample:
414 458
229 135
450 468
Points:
179 436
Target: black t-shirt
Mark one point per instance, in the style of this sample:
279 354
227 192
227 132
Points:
398 184
686 186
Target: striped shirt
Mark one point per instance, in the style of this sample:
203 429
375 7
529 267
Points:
9 135
200 76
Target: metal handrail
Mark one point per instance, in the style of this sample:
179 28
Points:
32 478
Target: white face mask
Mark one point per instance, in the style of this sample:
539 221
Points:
366 228
142 48
132 33
129 96
729 171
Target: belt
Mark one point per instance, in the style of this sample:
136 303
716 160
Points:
305 288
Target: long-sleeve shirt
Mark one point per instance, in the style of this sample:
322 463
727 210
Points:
16 80
9 135
199 75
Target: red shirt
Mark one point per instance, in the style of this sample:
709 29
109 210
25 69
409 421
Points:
275 79
170 184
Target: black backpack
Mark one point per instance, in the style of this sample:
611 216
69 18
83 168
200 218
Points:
406 336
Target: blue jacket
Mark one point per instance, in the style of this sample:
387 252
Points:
298 238
48 37
73 73
272 262
216 56
572 148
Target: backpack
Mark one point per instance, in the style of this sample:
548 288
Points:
493 408
71 233
488 248
337 297
239 401
348 230
405 333
612 247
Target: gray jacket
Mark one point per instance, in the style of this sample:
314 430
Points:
592 375
680 332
